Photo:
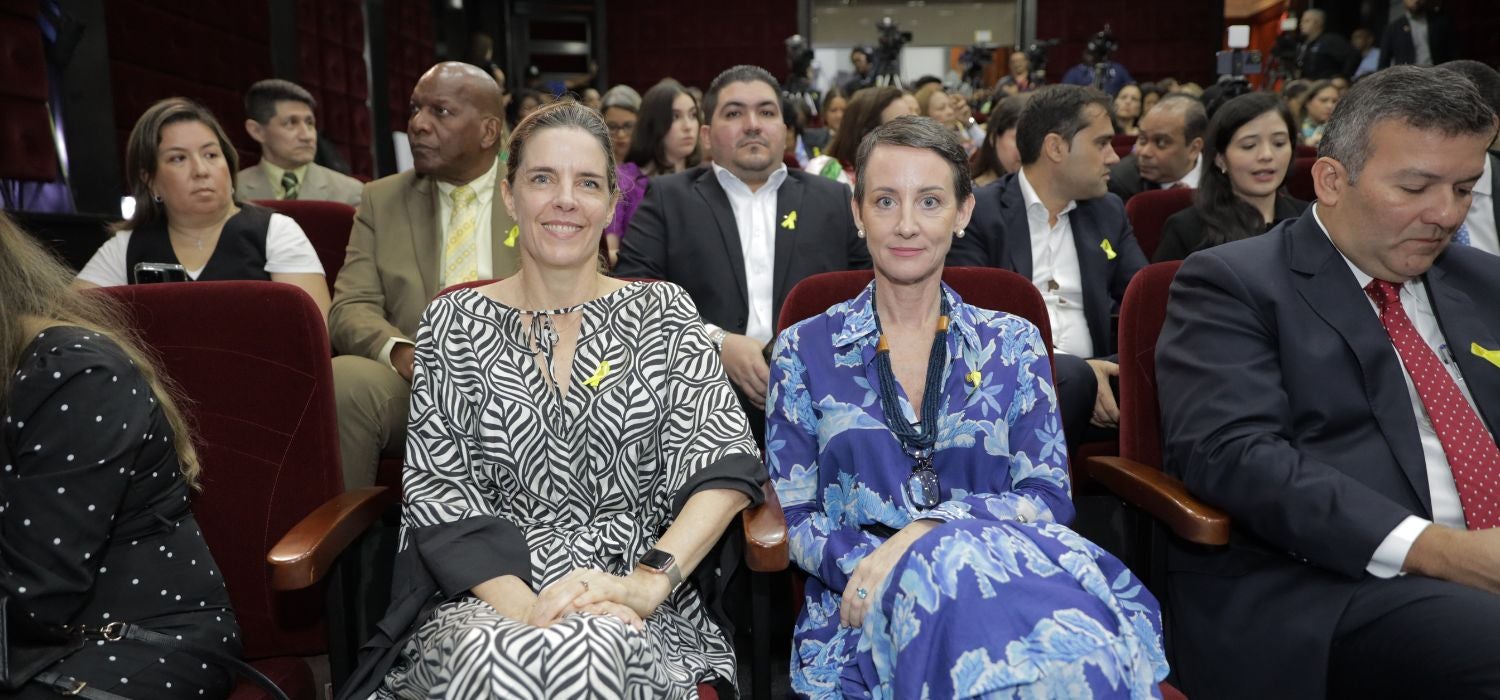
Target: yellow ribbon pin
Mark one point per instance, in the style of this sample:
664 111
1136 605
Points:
598 375
1492 355
974 378
790 222
1109 250
510 238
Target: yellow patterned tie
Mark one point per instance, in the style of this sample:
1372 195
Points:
461 254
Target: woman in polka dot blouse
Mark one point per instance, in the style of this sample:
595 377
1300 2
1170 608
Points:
95 472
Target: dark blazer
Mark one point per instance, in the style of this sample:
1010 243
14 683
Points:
999 236
1125 179
1283 403
684 232
1184 232
1397 48
1327 56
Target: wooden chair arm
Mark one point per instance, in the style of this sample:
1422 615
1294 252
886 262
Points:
307 552
765 534
1164 497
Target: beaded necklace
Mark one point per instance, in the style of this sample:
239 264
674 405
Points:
916 441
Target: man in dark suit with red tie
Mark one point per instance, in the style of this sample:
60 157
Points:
1334 386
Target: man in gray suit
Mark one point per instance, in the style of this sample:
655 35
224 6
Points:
416 233
281 121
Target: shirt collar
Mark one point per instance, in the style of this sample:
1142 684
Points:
274 172
1029 195
1191 178
859 319
483 186
1359 275
729 181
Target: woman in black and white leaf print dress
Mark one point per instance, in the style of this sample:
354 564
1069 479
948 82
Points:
569 433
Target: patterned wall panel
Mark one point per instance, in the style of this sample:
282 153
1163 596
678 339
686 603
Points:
330 47
693 42
409 53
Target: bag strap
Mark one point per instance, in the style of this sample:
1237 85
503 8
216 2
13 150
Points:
116 631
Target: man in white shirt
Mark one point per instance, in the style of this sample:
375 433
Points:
1484 211
415 234
1332 386
1167 150
1054 223
281 120
739 234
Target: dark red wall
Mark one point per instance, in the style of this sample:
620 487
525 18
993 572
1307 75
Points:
1158 38
693 42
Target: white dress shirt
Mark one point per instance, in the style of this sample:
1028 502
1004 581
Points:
1446 508
755 217
1055 272
484 191
1190 179
1419 39
1481 217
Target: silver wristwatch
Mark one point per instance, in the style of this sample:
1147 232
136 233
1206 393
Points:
716 336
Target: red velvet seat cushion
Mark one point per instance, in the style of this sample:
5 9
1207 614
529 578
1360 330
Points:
327 225
1142 314
1149 211
1299 183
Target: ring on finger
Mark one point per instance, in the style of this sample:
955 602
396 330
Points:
862 593
585 586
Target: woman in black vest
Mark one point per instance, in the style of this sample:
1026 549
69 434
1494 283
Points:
182 168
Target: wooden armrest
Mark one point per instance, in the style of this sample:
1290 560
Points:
1164 497
765 534
306 552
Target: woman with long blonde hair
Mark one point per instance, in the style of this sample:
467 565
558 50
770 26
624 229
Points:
96 469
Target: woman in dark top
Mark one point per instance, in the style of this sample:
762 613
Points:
999 156
186 212
95 473
1249 149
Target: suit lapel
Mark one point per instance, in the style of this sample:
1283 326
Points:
1017 228
788 198
1094 275
1332 292
314 184
426 228
707 187
1494 190
1462 328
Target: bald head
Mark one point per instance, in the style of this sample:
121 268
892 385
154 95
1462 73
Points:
1312 23
455 123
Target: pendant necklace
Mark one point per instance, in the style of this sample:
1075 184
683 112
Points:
922 487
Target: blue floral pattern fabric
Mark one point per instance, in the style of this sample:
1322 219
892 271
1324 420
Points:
1001 600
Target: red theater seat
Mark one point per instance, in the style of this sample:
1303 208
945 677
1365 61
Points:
1299 183
1149 211
327 225
1123 144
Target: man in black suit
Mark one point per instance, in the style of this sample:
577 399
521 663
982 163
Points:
1168 150
1054 223
1333 385
1323 55
1419 37
739 234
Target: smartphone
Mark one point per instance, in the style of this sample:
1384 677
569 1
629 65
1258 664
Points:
151 273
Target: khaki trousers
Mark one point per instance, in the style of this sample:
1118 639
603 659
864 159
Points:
372 402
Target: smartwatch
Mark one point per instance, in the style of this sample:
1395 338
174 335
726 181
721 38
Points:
662 563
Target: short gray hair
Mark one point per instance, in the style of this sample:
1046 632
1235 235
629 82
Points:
916 132
621 96
1418 97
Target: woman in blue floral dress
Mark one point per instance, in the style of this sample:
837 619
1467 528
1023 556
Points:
939 565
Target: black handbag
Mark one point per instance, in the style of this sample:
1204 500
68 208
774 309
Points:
27 649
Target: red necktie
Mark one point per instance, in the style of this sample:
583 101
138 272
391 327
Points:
1468 444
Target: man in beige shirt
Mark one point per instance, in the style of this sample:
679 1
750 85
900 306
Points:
281 120
415 234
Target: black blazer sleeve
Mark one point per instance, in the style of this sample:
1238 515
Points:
981 238
643 250
1181 234
1132 258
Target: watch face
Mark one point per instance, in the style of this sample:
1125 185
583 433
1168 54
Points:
657 560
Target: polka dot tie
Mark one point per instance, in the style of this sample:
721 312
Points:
1470 448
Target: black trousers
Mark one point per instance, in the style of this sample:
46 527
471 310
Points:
1076 389
1417 637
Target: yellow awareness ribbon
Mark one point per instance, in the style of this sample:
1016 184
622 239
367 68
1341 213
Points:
1492 355
512 235
974 378
1109 250
598 375
790 222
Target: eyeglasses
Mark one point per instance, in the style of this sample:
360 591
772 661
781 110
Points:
620 128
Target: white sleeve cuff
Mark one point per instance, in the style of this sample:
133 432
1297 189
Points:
390 345
1390 556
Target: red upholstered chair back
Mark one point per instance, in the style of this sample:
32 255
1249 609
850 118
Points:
327 225
1305 151
984 287
251 359
1149 211
1123 144
1299 183
1142 313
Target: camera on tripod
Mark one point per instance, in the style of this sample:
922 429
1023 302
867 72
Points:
1101 45
887 58
974 59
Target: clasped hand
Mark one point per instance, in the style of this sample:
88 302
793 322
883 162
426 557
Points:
629 599
874 569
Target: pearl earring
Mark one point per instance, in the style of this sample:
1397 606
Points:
959 233
859 232
156 198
